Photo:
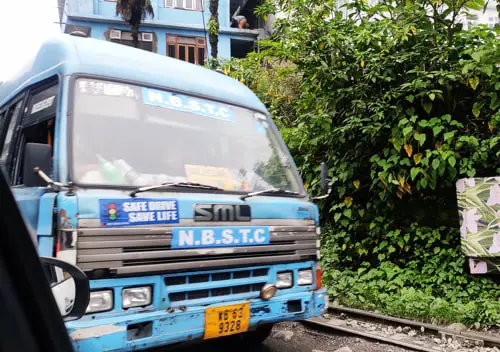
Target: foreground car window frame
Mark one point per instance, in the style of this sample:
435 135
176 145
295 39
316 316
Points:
31 320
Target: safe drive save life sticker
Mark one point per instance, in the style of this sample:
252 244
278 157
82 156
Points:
138 211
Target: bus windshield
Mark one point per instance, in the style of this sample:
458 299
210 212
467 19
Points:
128 135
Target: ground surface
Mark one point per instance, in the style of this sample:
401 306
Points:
294 337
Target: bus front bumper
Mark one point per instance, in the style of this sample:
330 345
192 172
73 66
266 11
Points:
137 331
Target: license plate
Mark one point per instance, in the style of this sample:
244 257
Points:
226 320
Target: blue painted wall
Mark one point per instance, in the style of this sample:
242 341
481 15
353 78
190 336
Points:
100 15
98 30
173 17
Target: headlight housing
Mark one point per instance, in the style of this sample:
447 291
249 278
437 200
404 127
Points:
100 301
268 292
284 279
136 297
305 277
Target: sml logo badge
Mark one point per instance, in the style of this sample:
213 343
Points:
112 212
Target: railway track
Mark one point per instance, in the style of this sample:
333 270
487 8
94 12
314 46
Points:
415 335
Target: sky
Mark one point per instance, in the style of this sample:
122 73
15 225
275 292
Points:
23 26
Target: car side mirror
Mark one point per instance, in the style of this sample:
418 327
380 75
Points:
69 285
36 155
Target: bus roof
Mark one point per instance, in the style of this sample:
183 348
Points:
66 55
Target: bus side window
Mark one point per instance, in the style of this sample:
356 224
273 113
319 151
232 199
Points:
7 134
38 125
42 133
2 127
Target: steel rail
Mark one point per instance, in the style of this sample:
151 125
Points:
324 323
321 323
487 339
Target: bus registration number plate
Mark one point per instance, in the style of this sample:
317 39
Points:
226 320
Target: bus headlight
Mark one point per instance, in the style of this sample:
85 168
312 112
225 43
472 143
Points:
100 301
268 292
305 277
136 297
284 280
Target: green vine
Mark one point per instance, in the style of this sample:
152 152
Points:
213 26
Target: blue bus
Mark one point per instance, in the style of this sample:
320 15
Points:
169 186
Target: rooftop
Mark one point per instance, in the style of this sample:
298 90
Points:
67 55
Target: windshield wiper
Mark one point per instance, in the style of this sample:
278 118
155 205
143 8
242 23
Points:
174 184
275 191
57 186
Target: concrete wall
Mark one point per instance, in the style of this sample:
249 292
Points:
80 7
489 17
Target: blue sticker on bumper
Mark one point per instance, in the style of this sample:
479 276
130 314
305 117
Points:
137 211
208 237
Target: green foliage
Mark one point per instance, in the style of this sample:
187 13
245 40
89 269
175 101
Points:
428 285
263 10
213 32
213 26
401 106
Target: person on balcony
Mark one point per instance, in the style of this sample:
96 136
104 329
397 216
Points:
240 22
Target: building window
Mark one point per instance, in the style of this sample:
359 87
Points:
194 5
190 49
125 38
492 21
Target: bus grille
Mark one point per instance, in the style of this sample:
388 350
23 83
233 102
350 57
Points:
140 250
183 289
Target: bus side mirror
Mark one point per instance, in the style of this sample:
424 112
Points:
70 287
326 188
324 176
36 155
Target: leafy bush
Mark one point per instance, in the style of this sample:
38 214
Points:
401 101
435 289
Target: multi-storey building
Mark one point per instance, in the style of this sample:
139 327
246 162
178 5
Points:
178 28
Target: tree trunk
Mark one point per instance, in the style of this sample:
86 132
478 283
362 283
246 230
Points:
135 36
214 37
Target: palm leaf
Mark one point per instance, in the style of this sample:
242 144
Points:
134 12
